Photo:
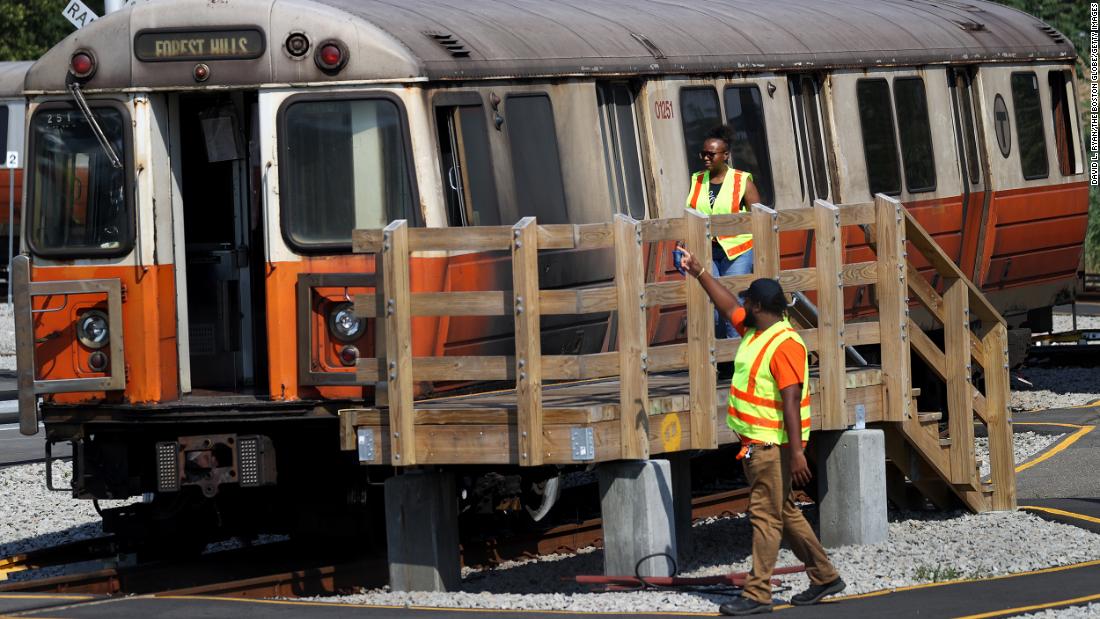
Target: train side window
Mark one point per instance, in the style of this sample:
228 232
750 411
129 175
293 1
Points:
344 165
536 164
1062 112
468 184
915 134
880 150
1030 136
806 109
622 158
749 151
699 113
4 126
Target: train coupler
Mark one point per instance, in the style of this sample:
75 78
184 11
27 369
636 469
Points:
210 461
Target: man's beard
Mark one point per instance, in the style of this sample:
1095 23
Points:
750 319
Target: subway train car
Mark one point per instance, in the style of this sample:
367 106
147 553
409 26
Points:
12 120
198 169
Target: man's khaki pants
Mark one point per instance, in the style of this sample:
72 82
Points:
775 517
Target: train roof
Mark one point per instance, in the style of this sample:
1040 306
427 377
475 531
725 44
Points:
447 40
12 75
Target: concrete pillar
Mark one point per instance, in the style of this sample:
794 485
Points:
422 531
681 503
638 521
852 487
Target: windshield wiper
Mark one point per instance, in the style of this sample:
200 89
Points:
81 103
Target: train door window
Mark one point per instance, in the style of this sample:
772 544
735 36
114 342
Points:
961 83
1030 137
745 115
699 113
468 183
1062 111
880 151
344 166
536 164
805 91
915 135
622 158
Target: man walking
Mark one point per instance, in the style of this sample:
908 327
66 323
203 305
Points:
769 397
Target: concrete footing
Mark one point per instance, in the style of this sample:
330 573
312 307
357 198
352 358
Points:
422 531
681 503
852 487
636 501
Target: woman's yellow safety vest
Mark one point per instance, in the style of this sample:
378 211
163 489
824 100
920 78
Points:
755 405
728 200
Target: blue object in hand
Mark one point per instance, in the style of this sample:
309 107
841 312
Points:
677 257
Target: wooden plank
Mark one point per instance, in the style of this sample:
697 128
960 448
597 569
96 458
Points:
893 307
861 333
857 213
933 302
671 229
467 444
731 224
397 325
795 219
798 280
665 293
528 366
1001 460
859 273
946 267
577 301
463 368
702 376
575 236
765 241
463 303
633 385
467 238
347 431
669 357
366 370
366 241
830 321
960 399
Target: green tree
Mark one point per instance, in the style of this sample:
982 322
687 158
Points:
31 27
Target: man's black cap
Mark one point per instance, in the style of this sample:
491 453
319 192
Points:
767 292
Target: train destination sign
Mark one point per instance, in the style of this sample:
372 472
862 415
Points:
166 45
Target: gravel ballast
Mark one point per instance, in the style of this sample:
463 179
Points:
1075 612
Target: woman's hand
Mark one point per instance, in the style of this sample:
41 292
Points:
690 263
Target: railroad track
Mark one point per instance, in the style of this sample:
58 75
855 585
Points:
283 569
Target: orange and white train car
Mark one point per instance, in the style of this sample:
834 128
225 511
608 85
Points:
196 170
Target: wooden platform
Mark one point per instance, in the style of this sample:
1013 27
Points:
480 428
641 398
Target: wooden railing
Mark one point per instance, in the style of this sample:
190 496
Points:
395 371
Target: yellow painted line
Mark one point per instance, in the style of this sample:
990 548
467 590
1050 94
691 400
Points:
1061 446
1024 609
929 585
368 607
45 596
1062 512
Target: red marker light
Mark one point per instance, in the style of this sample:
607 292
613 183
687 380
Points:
349 355
331 56
82 65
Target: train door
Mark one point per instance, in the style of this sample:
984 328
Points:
468 185
622 157
221 221
973 165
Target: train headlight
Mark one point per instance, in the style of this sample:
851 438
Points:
344 325
92 329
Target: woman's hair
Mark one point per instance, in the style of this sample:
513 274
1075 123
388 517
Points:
723 133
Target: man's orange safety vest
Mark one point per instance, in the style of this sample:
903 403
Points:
755 404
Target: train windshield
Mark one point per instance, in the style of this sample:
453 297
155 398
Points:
344 166
77 198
